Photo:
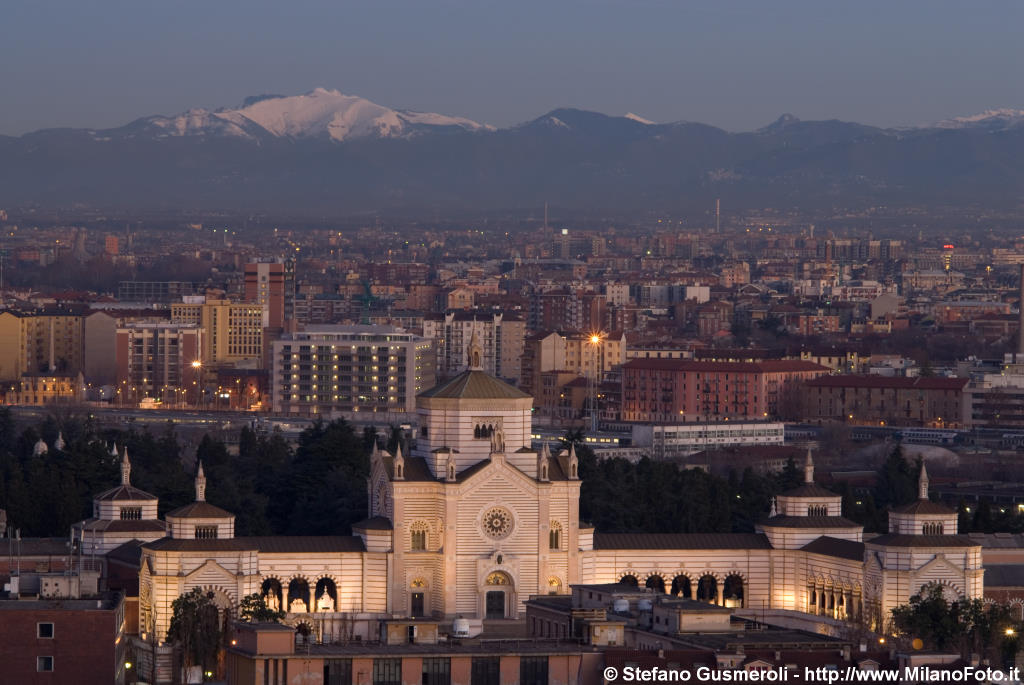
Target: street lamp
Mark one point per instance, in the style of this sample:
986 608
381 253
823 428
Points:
197 366
595 339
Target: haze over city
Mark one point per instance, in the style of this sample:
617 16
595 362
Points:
566 343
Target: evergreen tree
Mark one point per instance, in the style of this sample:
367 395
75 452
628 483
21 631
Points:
253 609
195 627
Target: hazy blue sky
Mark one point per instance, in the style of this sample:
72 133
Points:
733 64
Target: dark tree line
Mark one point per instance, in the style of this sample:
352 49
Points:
317 488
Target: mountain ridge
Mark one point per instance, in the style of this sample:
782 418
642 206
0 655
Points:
328 152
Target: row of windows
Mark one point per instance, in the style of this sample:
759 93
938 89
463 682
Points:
484 670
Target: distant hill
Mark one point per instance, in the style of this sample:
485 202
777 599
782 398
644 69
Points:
332 153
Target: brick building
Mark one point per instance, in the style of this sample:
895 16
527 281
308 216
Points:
677 390
68 641
897 401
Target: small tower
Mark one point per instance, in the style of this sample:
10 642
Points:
574 464
809 468
475 353
126 469
450 468
543 463
399 463
58 444
200 484
40 448
922 483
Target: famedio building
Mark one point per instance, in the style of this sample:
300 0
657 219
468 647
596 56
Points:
476 519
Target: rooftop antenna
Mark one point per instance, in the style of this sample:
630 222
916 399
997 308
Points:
545 216
718 214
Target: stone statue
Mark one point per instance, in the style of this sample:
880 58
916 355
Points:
324 602
273 603
298 606
498 441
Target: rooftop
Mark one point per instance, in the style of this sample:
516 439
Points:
474 385
627 541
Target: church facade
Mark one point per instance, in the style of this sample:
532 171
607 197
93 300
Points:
475 520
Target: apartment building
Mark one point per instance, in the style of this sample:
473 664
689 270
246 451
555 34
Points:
271 282
501 337
341 369
41 341
156 360
679 391
232 331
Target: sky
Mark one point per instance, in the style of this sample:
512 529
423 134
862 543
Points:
734 64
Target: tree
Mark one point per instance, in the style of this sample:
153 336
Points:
253 609
965 625
930 618
195 626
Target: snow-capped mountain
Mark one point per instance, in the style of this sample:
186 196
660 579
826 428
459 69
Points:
320 113
993 119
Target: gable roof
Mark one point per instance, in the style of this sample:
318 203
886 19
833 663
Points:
836 547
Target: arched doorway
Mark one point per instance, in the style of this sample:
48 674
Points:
732 592
681 587
655 582
271 591
498 596
326 595
298 596
707 589
418 598
630 580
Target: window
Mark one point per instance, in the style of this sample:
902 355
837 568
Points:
533 670
44 630
387 672
437 671
419 536
931 529
338 672
817 510
131 513
555 535
486 670
44 664
206 532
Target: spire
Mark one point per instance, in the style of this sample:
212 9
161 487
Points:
399 463
475 352
922 483
574 463
58 444
113 450
809 468
543 462
774 511
200 484
126 469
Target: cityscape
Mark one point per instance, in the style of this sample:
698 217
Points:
316 389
